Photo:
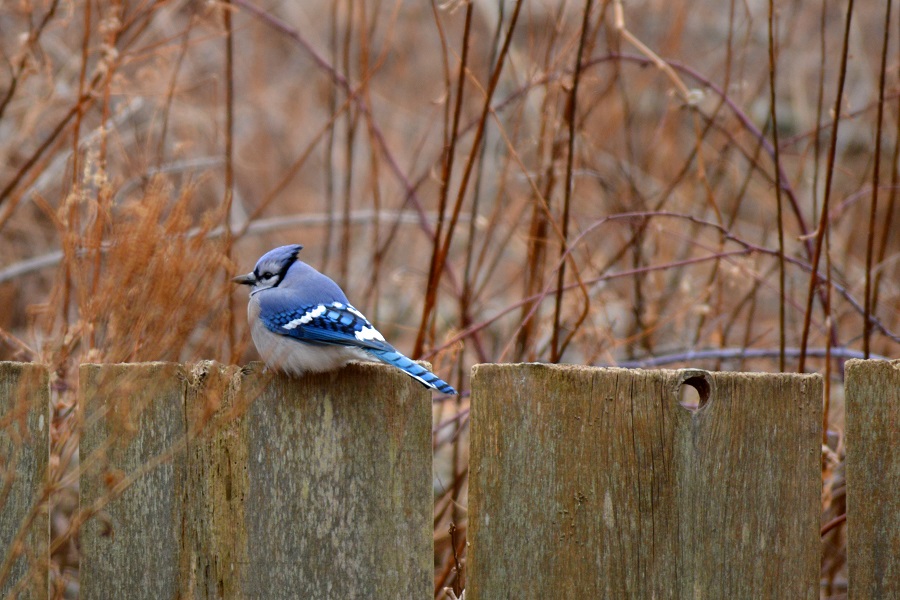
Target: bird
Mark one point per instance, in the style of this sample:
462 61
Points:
301 322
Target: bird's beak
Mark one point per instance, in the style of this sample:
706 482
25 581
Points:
248 279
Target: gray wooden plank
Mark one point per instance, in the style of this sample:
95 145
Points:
133 415
873 478
24 456
215 535
596 483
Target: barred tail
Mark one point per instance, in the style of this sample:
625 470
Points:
414 370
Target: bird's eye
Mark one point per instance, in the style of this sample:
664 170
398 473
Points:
267 275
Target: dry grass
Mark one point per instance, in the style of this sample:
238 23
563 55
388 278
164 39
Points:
480 193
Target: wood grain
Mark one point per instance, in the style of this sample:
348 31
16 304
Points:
873 478
318 487
597 483
24 456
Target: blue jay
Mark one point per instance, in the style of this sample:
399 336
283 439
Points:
301 321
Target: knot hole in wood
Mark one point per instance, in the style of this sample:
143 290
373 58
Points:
694 389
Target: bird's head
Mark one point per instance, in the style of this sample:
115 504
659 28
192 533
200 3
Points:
270 268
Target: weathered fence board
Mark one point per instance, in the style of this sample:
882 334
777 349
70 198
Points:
597 483
133 416
317 487
24 456
873 478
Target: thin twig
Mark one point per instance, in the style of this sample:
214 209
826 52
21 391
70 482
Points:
773 102
873 208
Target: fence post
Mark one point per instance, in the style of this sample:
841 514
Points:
24 457
597 483
873 478
318 487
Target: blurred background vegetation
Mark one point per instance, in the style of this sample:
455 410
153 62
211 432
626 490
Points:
656 184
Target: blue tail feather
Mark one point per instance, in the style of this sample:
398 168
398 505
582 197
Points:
413 369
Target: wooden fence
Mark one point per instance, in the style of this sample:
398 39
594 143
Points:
209 481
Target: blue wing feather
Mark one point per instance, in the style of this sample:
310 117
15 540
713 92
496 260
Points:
315 323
